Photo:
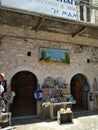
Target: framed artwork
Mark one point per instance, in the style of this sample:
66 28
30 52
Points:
54 55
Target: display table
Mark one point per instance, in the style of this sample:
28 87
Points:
54 107
63 104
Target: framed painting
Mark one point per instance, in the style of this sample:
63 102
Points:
54 55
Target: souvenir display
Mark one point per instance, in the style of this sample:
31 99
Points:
56 92
9 96
54 83
58 97
49 82
59 82
55 96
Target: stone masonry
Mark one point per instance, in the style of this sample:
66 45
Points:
14 49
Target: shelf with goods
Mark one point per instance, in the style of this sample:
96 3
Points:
55 99
55 95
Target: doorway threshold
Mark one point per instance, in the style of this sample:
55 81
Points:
21 120
24 117
84 113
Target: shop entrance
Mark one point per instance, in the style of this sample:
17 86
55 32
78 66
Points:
23 83
79 92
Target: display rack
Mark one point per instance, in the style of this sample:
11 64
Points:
52 98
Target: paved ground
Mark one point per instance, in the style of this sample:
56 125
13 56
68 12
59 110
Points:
81 121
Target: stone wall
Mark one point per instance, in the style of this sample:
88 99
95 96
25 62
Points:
13 55
16 43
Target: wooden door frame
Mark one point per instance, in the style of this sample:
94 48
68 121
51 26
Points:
14 89
84 99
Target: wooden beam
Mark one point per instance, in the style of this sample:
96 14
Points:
39 24
80 31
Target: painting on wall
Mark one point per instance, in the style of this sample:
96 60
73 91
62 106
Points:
51 55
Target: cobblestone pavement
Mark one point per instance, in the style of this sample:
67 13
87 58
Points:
81 121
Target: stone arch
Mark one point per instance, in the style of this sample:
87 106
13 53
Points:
12 72
76 71
23 82
89 77
79 88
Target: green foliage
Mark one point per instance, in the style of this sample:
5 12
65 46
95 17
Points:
66 59
48 58
43 55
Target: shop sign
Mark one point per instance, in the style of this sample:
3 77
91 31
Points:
58 8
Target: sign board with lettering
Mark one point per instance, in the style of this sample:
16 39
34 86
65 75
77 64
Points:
58 8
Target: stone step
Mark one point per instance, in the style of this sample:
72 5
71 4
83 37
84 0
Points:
34 119
84 113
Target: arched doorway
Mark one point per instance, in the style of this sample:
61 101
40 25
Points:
23 83
79 92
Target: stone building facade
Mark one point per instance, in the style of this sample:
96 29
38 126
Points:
14 57
19 61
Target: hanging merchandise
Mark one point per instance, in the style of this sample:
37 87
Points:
38 94
1 89
2 77
92 97
86 87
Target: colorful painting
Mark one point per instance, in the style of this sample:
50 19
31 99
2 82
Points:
54 55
